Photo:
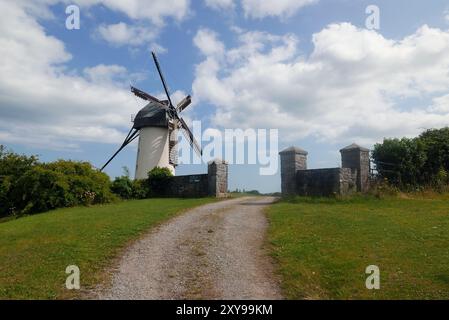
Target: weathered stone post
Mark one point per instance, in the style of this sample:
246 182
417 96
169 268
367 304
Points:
357 157
217 172
292 160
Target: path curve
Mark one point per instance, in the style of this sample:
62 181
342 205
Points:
211 252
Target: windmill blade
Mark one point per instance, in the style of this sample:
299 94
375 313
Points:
143 95
158 67
189 136
132 135
184 104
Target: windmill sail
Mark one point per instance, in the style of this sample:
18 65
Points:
159 114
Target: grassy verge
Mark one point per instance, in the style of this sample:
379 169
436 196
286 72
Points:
323 246
35 250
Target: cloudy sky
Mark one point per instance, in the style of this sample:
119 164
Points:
309 68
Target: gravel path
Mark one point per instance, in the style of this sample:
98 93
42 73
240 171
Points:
211 252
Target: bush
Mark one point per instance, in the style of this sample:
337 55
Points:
158 181
126 188
86 184
413 164
40 190
123 187
400 161
141 189
12 167
27 186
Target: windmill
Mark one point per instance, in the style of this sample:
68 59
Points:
156 126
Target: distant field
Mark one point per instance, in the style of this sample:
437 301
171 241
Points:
35 250
323 246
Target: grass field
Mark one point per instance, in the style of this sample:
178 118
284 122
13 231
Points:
35 250
323 246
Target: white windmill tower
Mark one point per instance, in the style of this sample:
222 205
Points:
157 125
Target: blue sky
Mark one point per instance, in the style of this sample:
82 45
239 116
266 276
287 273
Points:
308 68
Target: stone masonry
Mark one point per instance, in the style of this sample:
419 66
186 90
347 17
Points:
352 177
214 183
358 158
292 160
218 178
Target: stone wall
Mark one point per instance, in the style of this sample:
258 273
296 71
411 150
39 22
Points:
326 182
348 181
352 177
191 186
214 183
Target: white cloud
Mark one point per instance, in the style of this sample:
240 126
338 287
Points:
120 34
267 8
148 17
206 40
220 4
440 105
353 86
155 11
258 9
44 103
105 73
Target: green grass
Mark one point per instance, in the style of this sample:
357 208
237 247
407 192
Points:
35 250
322 247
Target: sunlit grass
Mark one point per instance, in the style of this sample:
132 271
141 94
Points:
35 250
323 246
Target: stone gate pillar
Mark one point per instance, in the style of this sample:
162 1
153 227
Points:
217 172
292 160
357 157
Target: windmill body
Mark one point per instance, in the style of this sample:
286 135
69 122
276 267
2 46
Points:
155 149
156 126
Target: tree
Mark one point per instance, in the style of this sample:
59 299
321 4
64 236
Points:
422 161
436 142
12 167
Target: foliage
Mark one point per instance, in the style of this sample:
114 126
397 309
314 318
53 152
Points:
83 180
12 167
436 144
123 187
28 186
141 189
383 189
411 164
127 189
159 180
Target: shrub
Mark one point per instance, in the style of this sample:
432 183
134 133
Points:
27 186
159 181
126 188
414 164
12 167
123 187
141 189
82 178
39 190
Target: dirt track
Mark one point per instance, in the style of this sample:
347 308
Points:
211 252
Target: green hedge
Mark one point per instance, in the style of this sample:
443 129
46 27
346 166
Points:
156 185
28 186
411 163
